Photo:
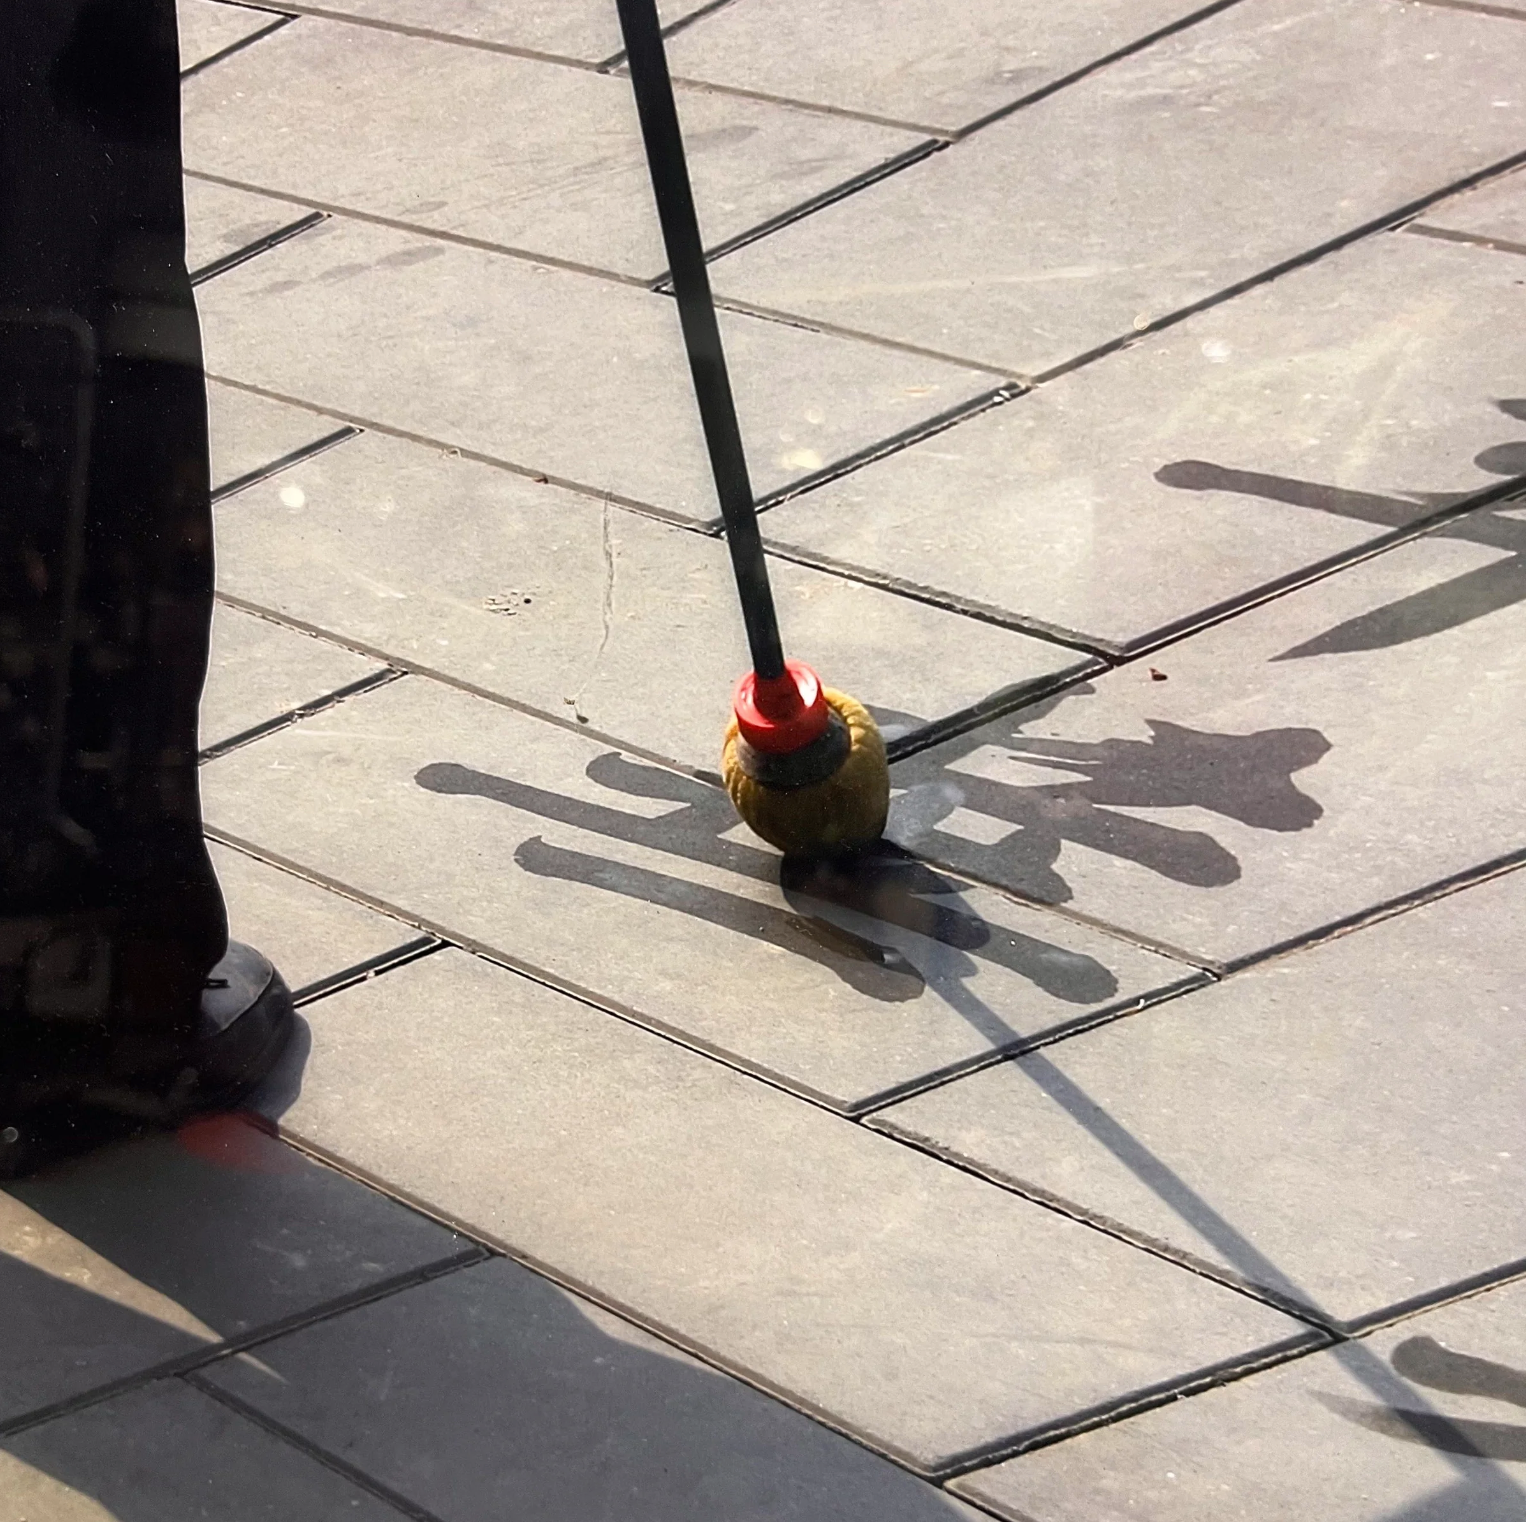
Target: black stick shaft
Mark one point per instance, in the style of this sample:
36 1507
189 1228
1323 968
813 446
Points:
702 337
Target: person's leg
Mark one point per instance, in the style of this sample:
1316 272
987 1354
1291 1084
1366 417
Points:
111 918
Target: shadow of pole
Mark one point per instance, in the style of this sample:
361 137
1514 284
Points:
1477 1465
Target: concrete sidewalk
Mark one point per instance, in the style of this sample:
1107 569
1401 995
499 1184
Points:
1136 398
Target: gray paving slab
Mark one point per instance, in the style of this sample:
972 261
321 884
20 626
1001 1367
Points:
307 931
589 1417
925 1309
562 373
1379 1141
580 29
154 1249
1288 425
207 27
638 883
1150 186
220 220
249 432
508 150
1495 210
1419 1423
1334 748
169 1453
544 596
259 670
939 66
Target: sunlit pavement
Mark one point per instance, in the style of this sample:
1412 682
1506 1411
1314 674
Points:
1136 403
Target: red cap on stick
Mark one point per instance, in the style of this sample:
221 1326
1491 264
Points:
784 713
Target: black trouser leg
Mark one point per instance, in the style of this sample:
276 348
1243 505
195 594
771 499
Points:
110 915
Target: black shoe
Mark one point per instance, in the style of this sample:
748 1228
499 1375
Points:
246 1021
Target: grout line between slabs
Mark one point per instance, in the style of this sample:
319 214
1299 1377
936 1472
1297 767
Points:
372 967
1168 635
939 137
314 1451
283 18
1128 49
1385 222
1478 7
423 230
1475 240
947 136
1466 1289
286 461
1403 903
944 135
948 602
1227 1371
1017 382
254 250
894 443
428 34
993 706
367 683
1447 1294
1320 570
1262 1294
613 62
829 197
1022 1046
403 666
1211 974
532 973
213 1352
541 478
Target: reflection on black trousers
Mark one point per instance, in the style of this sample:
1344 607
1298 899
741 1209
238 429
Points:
110 916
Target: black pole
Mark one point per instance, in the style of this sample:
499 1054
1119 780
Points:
702 338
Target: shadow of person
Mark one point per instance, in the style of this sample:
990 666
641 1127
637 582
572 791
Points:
484 1393
1448 605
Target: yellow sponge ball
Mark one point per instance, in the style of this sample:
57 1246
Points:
840 812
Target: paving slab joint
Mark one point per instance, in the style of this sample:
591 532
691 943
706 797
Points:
198 1358
283 18
320 1455
663 284
367 683
373 967
926 1083
259 246
615 60
285 462
1210 1377
1181 24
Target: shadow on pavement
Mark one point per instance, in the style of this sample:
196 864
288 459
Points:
1488 589
485 1393
889 888
1247 778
